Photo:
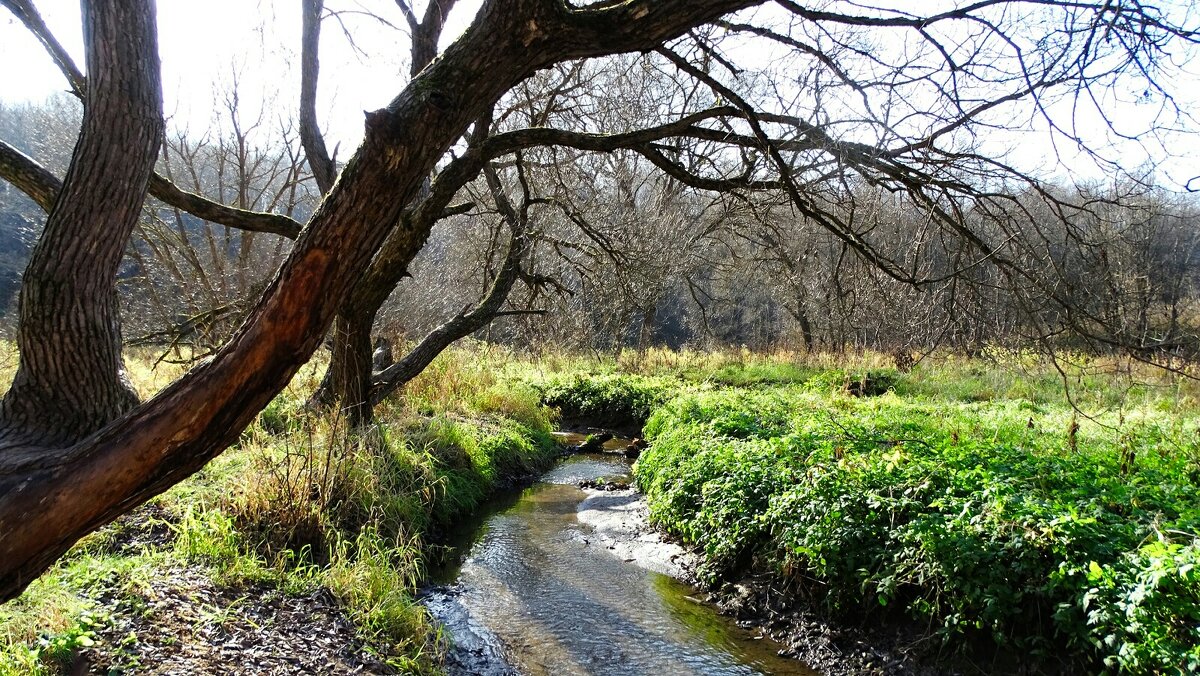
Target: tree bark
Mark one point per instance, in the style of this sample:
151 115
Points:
30 177
800 314
71 379
646 331
347 381
47 505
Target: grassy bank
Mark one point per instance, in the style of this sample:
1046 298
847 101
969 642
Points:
1045 509
964 499
298 506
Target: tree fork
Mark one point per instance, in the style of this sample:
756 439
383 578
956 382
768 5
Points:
45 508
71 379
347 380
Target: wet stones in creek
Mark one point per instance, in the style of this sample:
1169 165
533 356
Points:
620 521
594 443
606 484
600 441
475 650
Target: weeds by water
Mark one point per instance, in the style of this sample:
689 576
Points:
1006 518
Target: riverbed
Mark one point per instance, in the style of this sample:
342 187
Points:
560 580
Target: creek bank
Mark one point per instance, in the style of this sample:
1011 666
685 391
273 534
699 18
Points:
170 616
209 579
184 623
874 646
833 647
580 423
840 646
619 519
599 440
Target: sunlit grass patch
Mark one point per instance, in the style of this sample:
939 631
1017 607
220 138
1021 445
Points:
971 516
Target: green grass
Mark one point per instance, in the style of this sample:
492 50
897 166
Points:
41 630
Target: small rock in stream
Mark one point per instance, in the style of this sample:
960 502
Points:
635 448
594 443
603 484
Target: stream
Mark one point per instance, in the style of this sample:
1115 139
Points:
530 588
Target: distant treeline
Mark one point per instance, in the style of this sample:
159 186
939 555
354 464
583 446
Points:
631 258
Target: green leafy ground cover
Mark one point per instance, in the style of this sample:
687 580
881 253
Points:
1010 517
969 496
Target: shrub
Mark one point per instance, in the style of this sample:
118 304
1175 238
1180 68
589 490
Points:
615 400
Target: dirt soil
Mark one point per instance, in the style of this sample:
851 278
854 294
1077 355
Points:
182 623
831 647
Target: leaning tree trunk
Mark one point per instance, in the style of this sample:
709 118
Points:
47 505
71 379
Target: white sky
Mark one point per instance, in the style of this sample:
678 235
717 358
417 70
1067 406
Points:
203 44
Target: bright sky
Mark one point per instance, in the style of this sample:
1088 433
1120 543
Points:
206 45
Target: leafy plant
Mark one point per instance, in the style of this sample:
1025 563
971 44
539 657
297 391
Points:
615 399
977 517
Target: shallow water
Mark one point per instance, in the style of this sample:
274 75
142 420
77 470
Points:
614 445
537 590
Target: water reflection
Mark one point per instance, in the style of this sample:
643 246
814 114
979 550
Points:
553 600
